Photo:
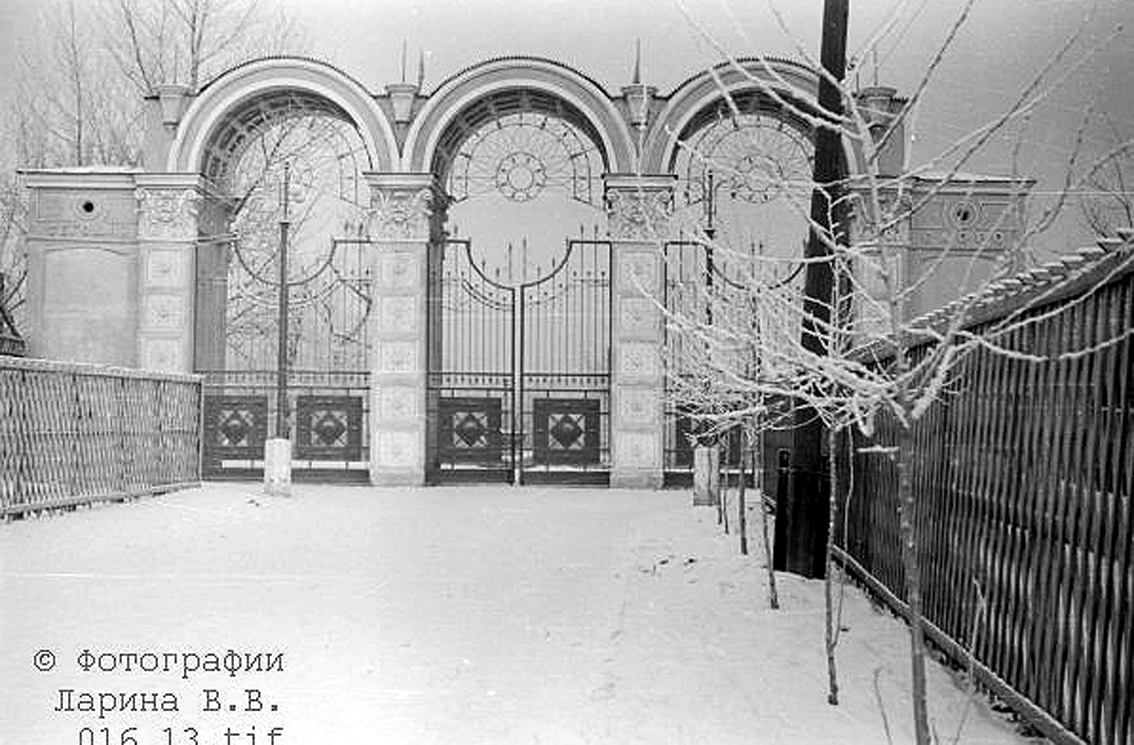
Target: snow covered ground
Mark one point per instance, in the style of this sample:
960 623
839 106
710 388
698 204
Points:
446 615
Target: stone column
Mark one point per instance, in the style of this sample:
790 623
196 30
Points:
399 228
167 239
638 209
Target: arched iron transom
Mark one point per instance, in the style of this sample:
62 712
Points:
521 143
243 125
755 150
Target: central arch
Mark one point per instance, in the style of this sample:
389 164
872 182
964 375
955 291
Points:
519 379
555 81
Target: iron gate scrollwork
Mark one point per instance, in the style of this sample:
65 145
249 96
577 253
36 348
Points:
519 375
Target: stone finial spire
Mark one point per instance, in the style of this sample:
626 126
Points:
639 96
402 95
637 79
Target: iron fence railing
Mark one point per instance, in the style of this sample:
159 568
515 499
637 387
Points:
75 433
1022 475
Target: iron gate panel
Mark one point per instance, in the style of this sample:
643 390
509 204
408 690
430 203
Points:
564 362
470 386
328 428
566 431
470 431
235 428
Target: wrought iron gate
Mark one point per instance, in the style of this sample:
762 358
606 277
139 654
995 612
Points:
324 387
519 376
696 287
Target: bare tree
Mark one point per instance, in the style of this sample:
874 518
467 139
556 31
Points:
71 108
730 366
1107 199
190 41
12 265
82 78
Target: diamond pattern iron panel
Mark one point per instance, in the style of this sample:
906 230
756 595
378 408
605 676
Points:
566 431
328 428
470 430
235 427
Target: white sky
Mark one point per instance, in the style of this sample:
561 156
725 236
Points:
996 54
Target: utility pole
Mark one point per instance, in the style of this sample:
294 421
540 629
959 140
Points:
283 430
801 523
277 450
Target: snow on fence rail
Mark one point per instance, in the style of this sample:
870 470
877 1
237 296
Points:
74 433
1023 475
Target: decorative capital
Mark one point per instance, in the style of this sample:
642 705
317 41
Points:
400 206
167 213
400 215
638 208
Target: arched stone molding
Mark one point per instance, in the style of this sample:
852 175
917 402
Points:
263 77
447 102
790 80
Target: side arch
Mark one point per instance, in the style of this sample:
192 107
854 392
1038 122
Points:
483 81
243 89
791 81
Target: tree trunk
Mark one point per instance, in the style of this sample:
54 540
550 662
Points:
908 532
773 596
741 501
832 515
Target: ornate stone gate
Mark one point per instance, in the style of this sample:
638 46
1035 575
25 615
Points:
134 267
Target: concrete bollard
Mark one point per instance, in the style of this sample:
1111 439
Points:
706 475
277 467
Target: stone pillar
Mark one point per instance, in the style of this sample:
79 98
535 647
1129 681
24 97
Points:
399 228
638 209
880 107
83 271
167 241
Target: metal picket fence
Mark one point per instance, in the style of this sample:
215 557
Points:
1023 476
76 433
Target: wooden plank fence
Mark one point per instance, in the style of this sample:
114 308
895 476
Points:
1023 477
74 433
